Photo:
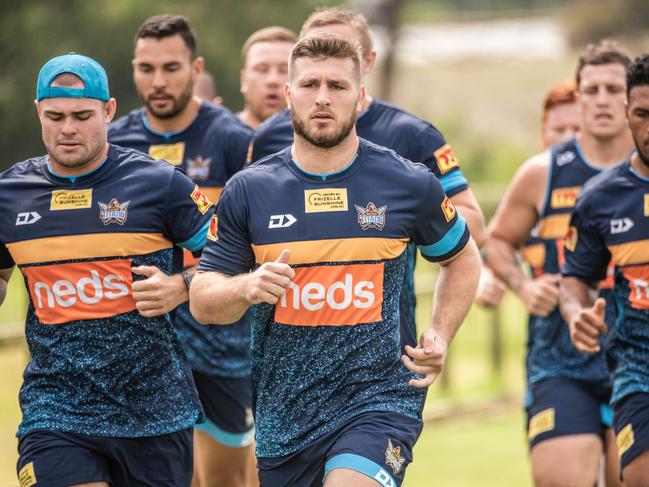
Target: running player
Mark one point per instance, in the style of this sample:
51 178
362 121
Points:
611 220
264 58
567 391
560 123
332 396
107 396
210 145
389 126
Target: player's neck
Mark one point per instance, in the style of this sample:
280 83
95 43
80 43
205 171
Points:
247 117
605 152
639 167
318 160
177 123
81 169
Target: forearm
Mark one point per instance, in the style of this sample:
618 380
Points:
574 295
5 275
503 260
217 299
455 291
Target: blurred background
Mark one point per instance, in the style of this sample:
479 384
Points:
477 69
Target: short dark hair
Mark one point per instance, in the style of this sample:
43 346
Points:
323 46
161 26
267 34
604 52
638 73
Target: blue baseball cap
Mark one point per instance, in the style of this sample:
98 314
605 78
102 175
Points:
95 80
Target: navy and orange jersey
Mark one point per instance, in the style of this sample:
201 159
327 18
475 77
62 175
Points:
410 137
612 220
210 151
97 366
550 351
330 349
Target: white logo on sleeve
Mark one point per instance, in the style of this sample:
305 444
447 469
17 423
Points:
281 221
621 225
27 218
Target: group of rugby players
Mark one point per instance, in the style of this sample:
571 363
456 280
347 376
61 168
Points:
309 259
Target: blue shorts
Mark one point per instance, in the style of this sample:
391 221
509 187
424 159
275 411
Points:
377 444
227 403
632 427
560 407
57 459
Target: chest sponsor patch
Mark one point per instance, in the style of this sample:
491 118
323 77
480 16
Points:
646 204
172 153
564 197
74 199
326 199
333 296
446 159
61 293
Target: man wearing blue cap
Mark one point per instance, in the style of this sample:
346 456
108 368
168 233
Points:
107 396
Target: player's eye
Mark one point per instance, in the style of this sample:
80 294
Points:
55 117
83 116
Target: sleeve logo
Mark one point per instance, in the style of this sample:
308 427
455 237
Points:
448 209
570 242
202 202
371 216
172 153
213 229
446 159
71 199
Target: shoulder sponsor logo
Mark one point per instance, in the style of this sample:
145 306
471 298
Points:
202 202
27 218
333 295
564 158
74 291
212 231
371 216
570 241
446 159
621 225
74 199
281 221
113 212
646 204
27 476
327 199
393 458
541 422
172 153
448 209
198 168
564 197
625 439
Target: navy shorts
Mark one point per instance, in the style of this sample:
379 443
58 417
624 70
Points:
57 459
632 427
227 403
377 444
560 407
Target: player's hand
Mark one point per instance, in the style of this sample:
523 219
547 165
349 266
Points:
427 359
587 326
490 289
158 293
269 283
541 295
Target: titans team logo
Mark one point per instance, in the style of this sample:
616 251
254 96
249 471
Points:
393 458
113 212
198 168
371 216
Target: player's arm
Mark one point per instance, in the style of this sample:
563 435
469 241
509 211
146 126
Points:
583 312
5 275
511 225
469 208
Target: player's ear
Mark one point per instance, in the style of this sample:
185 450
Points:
287 94
110 108
198 66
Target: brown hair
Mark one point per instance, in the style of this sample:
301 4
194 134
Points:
604 52
267 34
323 46
162 26
559 94
323 17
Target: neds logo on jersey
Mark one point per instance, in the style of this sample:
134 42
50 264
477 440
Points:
333 295
62 293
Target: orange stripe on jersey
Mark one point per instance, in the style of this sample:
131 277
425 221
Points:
333 296
80 290
90 246
638 277
630 253
188 259
534 254
554 226
335 250
213 194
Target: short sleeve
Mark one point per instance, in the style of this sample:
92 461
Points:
6 261
586 254
441 232
187 213
239 145
228 249
439 157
